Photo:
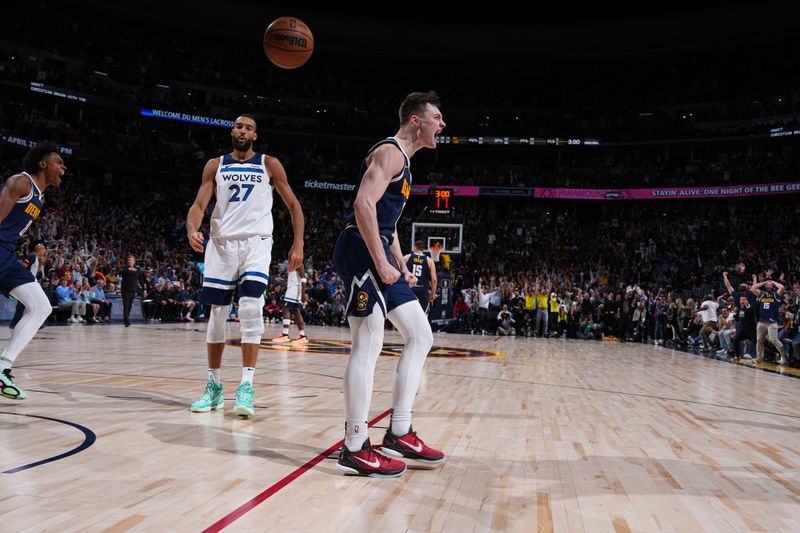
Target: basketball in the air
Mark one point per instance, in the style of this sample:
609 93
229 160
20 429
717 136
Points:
288 42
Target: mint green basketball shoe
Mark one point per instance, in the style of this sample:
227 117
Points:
244 400
212 398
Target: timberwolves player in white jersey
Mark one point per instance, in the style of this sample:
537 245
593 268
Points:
292 307
378 285
238 252
21 201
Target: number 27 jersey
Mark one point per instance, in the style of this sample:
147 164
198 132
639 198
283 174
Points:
244 199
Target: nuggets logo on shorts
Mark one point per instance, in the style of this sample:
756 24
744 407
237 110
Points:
362 299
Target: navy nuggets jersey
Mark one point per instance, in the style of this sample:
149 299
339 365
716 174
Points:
768 305
418 265
391 204
22 215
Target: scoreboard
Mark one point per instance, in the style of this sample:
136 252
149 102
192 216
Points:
517 141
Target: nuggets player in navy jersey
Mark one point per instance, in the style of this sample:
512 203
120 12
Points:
424 269
238 252
21 201
378 285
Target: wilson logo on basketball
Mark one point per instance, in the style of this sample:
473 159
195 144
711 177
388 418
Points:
293 40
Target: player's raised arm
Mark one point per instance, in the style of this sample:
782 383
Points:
385 162
281 182
195 216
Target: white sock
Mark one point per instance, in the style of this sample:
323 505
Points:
413 325
302 333
37 309
247 374
356 433
286 323
401 423
367 334
213 374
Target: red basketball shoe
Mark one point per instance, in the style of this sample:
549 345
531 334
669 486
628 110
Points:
409 446
366 462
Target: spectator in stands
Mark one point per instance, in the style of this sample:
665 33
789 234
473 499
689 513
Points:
552 316
505 322
589 330
99 298
337 307
185 302
68 300
461 314
161 299
768 301
272 311
708 312
788 333
727 334
694 329
92 309
483 305
542 292
638 321
50 292
746 318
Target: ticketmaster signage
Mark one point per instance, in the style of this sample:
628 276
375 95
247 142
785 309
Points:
328 186
185 117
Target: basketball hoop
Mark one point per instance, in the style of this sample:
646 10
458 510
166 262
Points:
435 250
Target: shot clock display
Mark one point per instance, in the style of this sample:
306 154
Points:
441 201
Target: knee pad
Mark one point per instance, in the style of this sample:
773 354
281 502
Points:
251 319
216 323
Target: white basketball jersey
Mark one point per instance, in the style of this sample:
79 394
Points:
293 287
244 199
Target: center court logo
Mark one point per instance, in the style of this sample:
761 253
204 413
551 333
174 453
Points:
390 349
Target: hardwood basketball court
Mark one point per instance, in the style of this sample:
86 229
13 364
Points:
541 435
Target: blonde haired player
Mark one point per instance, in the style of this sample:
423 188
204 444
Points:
239 252
378 284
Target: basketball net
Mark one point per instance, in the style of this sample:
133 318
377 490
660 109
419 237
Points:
435 250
